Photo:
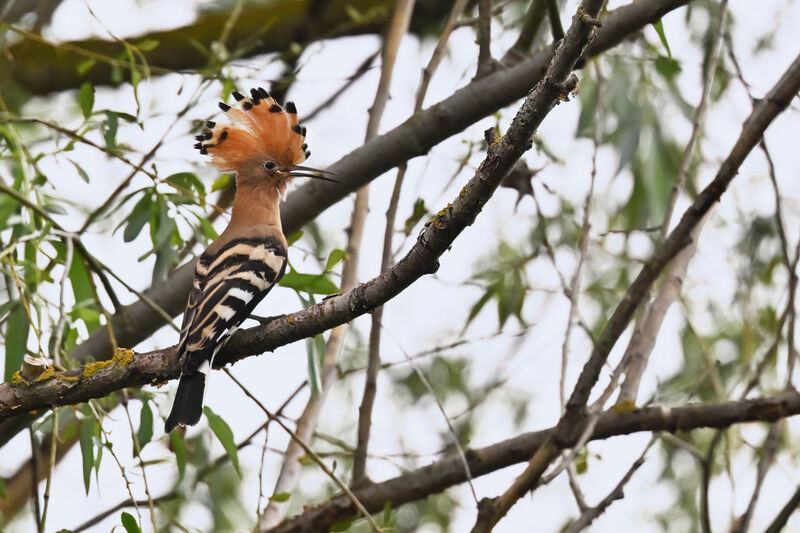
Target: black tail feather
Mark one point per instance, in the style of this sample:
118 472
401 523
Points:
188 405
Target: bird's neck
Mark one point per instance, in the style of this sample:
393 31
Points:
256 214
255 207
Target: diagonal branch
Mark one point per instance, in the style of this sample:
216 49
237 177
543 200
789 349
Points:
416 136
575 418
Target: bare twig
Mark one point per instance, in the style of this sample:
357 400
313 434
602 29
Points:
440 475
652 315
485 61
589 515
777 525
769 450
583 244
289 472
312 454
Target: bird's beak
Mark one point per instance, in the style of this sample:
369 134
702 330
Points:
298 171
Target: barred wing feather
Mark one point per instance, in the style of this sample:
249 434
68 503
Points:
227 287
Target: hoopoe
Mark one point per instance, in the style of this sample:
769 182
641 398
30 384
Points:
264 145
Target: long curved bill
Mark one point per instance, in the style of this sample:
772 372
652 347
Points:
298 171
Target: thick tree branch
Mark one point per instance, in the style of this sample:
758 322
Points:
415 137
445 473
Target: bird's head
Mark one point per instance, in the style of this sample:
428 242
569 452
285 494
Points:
261 141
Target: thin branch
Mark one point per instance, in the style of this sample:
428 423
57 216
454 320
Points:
311 453
485 61
652 314
777 525
442 474
530 29
583 244
413 138
591 514
290 471
555 21
362 69
768 452
574 419
36 468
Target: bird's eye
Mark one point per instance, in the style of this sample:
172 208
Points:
269 165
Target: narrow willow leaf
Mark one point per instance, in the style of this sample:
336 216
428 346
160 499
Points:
334 258
145 432
138 218
86 98
86 440
17 330
223 432
82 173
221 182
659 27
178 446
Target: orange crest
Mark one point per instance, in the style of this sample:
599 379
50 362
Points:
259 128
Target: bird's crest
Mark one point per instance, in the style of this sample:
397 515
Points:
258 128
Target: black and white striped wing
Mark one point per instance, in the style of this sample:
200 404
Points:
228 286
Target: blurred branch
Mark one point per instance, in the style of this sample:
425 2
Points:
42 67
289 474
485 62
557 83
776 526
572 423
591 514
440 475
394 36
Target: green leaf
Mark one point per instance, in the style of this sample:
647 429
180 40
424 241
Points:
223 432
312 283
85 66
477 306
89 428
17 329
294 237
110 130
162 223
147 45
138 218
3 491
187 181
659 27
334 257
82 290
280 497
82 173
86 98
417 213
145 432
667 67
221 182
208 230
315 351
54 209
129 523
178 446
